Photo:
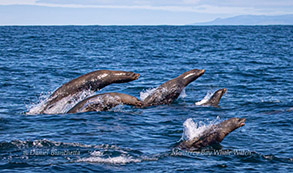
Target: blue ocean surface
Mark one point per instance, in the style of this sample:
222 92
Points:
254 63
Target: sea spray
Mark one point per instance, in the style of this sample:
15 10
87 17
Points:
36 108
60 107
183 94
205 99
144 94
193 129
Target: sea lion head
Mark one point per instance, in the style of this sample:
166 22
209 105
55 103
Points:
221 92
190 76
124 76
128 99
227 126
215 99
133 101
231 124
239 122
214 134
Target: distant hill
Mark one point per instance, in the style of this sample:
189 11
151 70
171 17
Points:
252 20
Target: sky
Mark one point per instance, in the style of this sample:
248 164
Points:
133 12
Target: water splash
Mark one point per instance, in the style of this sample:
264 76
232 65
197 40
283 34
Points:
36 108
193 129
144 94
205 99
183 94
62 106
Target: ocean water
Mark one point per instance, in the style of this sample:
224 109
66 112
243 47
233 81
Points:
254 63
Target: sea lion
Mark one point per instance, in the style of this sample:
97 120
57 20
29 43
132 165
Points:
213 134
104 102
214 99
170 90
92 81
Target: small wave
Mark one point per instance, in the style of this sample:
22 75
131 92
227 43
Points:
270 100
195 129
76 152
43 143
205 99
96 157
39 144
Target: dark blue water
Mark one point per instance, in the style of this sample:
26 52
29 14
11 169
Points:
254 63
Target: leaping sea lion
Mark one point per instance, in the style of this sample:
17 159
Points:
170 90
213 134
92 81
214 99
104 102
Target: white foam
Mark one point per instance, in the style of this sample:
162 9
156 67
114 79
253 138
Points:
97 153
99 157
193 129
110 160
205 99
270 100
36 108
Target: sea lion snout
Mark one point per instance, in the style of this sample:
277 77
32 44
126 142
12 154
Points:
139 104
202 71
241 122
136 76
224 90
132 75
199 72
